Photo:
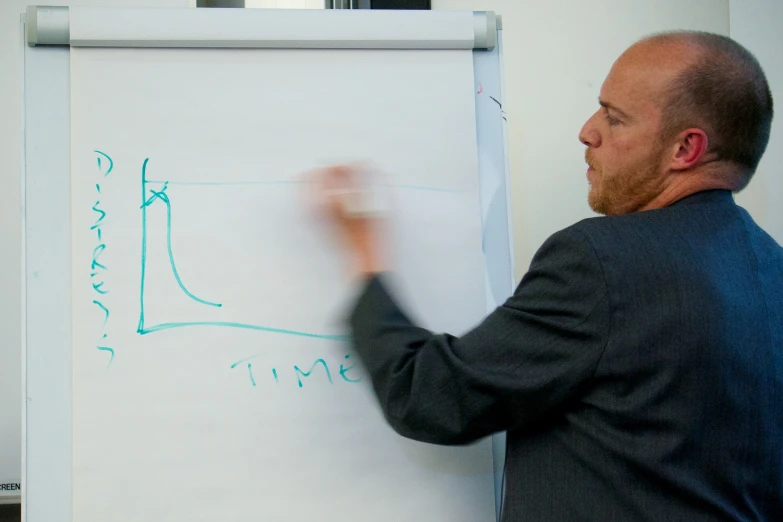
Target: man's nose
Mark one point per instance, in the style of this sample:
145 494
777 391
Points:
589 135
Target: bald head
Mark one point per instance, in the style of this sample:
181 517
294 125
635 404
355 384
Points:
663 56
711 82
679 113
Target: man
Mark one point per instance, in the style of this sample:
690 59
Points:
638 367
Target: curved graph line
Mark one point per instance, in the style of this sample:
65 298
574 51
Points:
245 326
141 329
161 195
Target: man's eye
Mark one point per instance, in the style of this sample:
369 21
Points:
612 121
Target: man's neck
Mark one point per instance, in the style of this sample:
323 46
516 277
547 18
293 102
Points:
685 185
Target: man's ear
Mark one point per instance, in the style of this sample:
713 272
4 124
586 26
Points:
689 149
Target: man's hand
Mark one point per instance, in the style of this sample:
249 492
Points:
340 192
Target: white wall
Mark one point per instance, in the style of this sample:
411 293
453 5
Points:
557 54
758 25
11 222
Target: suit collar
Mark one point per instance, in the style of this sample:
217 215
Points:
706 196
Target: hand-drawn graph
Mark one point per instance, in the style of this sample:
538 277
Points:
155 193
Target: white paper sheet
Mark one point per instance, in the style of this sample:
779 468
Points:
211 381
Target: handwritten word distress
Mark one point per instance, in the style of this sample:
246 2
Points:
98 267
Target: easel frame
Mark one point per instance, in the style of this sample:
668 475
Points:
47 376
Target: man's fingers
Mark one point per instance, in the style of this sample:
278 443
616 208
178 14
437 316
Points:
336 190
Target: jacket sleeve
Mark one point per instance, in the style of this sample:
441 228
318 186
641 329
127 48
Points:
526 359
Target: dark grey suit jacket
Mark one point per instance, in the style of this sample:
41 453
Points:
637 370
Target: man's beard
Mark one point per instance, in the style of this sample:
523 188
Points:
624 190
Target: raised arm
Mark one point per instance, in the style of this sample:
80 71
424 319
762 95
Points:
525 360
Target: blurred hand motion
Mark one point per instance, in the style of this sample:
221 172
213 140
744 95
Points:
345 195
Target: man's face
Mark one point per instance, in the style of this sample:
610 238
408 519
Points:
625 152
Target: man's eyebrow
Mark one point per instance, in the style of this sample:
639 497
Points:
608 105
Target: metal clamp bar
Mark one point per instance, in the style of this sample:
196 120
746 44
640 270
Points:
260 28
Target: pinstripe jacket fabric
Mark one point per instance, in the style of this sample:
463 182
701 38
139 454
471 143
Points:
637 370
